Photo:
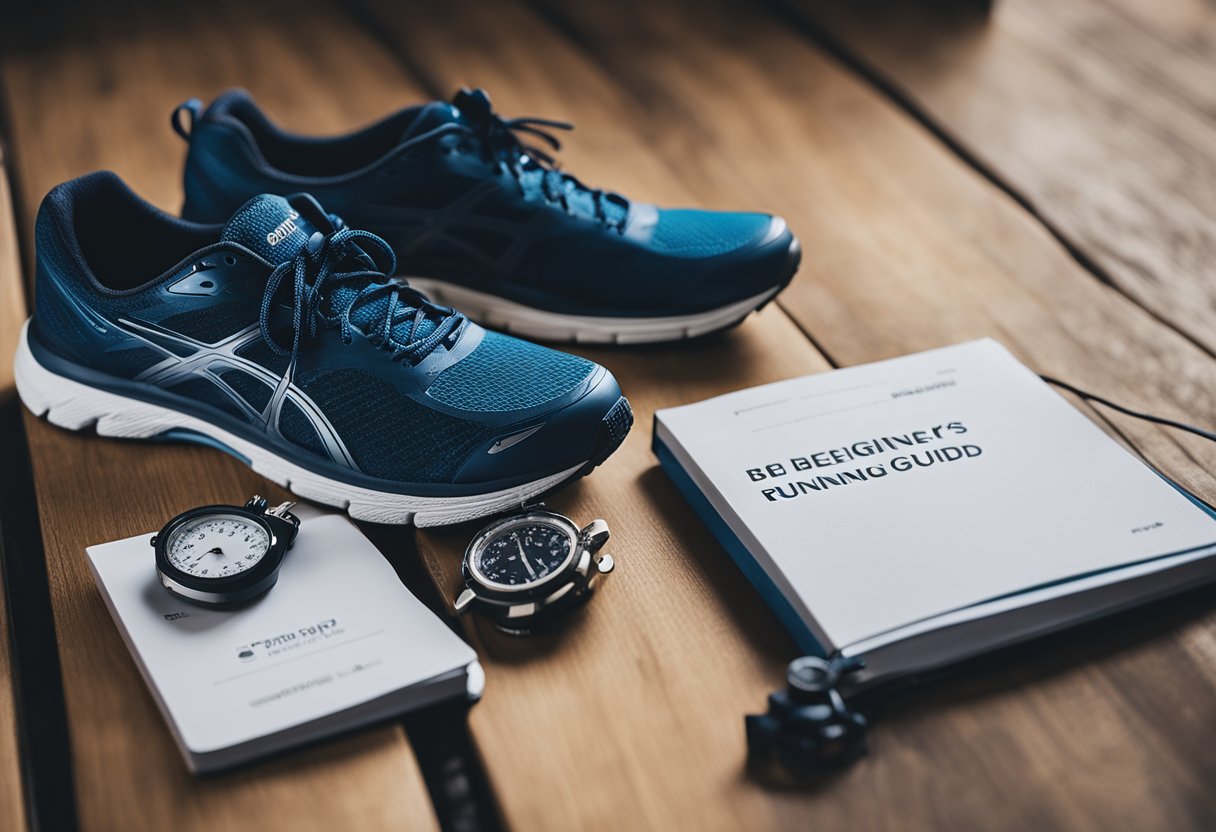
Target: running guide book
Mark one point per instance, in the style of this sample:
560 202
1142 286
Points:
920 510
337 644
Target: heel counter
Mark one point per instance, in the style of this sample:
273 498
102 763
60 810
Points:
59 322
199 204
214 173
46 302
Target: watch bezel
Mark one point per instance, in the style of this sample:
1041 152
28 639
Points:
224 586
484 587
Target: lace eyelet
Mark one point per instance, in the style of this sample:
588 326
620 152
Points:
229 260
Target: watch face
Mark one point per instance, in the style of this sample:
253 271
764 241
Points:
523 553
217 545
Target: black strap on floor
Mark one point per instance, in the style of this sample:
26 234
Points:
46 753
452 768
456 779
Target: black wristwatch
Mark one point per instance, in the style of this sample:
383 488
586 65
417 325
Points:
521 569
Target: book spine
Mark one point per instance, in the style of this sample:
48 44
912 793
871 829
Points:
738 552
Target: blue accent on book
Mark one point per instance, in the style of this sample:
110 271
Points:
1207 509
768 590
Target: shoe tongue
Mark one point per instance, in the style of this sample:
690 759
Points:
473 107
270 226
432 115
368 315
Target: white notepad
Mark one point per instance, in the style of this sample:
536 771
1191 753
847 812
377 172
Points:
921 509
338 643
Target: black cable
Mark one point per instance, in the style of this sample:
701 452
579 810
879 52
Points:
1206 434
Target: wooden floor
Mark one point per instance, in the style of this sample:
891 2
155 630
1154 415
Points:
1045 174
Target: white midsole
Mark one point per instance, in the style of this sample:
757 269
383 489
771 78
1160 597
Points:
509 316
72 405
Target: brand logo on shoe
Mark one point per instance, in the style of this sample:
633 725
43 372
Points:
512 440
284 229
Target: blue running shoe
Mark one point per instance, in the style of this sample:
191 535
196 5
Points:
278 337
484 222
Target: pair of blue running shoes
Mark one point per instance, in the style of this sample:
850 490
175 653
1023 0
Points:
302 314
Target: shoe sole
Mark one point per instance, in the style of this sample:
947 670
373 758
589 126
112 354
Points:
555 327
72 405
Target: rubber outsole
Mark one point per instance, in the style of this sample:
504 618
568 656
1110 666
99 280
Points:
72 405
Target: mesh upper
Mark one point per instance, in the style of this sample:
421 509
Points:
254 391
295 427
210 324
369 315
504 373
691 233
131 362
202 390
390 435
259 351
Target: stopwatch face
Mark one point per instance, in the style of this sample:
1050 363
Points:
523 554
217 546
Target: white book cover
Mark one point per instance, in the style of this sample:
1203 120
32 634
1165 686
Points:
337 643
878 496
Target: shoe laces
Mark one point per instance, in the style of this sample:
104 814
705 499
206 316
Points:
394 316
534 169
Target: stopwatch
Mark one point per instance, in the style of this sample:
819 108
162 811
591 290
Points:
224 555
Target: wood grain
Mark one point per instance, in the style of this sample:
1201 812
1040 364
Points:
907 249
633 717
101 98
913 250
12 802
12 313
12 289
1100 113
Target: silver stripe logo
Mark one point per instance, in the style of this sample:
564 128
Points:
209 361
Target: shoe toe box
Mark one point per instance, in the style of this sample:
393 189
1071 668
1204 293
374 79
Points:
739 256
552 410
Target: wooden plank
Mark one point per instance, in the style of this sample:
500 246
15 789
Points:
98 95
12 803
12 313
1100 113
644 691
12 289
621 694
907 249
